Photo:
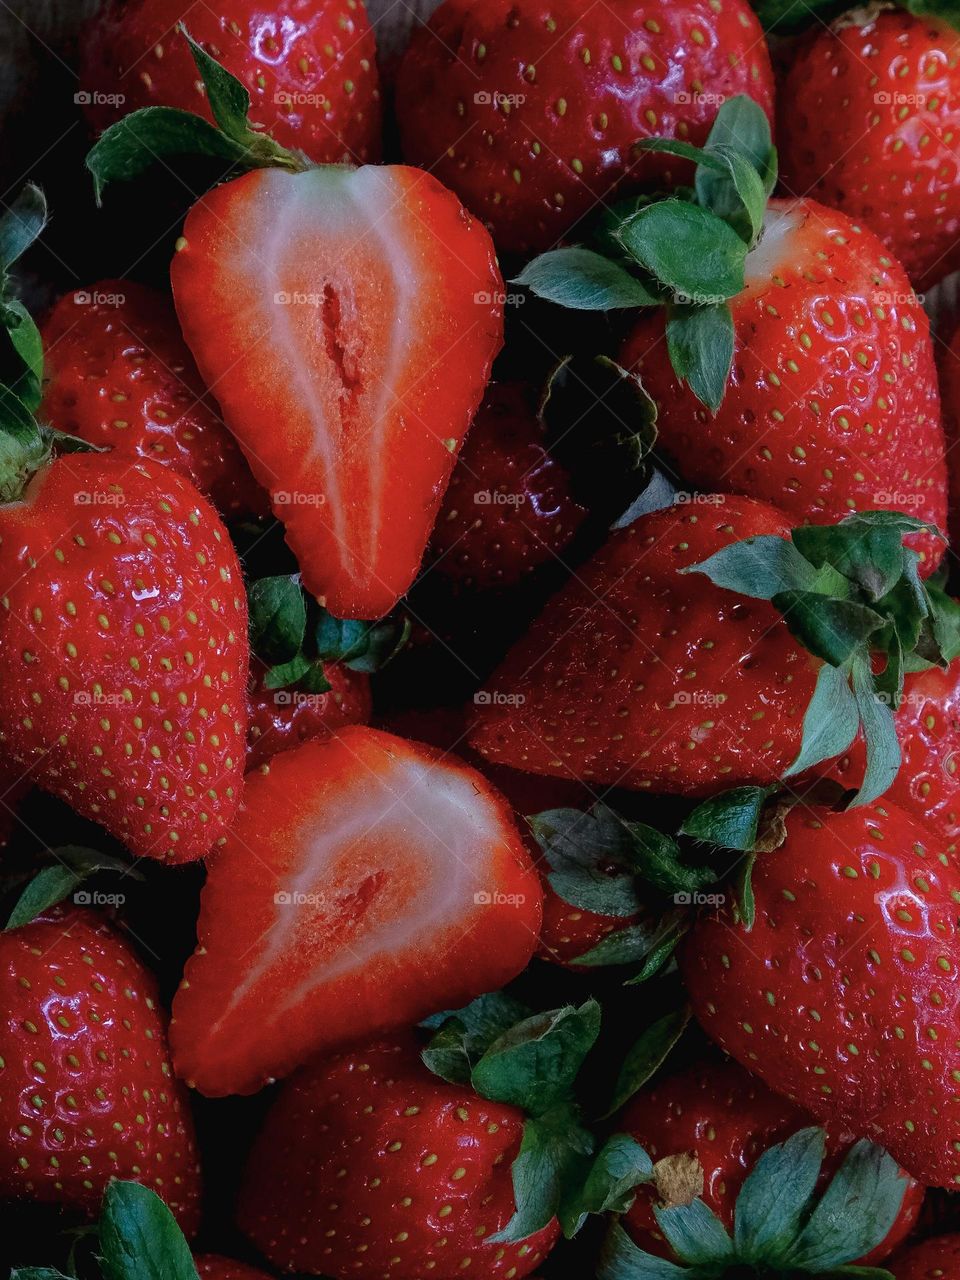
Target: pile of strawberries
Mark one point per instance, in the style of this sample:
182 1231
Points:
479 672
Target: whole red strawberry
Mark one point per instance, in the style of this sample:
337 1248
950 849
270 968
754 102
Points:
927 785
88 1093
118 374
531 113
124 619
725 1118
283 718
369 1165
637 675
309 67
949 366
832 402
211 1266
509 507
934 1259
843 994
869 110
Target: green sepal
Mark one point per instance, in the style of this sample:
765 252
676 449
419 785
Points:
619 1167
693 253
741 125
26 379
362 646
278 618
38 1273
633 944
660 955
730 820
21 223
595 857
830 722
24 447
582 280
700 343
463 1036
740 178
830 629
139 1237
621 1259
73 866
775 1197
647 1055
879 734
695 1234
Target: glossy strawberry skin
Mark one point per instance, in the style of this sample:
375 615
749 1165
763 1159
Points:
118 374
949 366
124 619
869 107
369 1165
934 1259
726 1117
509 507
212 1266
832 404
390 882
531 112
843 997
309 66
87 1092
369 392
283 718
635 675
927 785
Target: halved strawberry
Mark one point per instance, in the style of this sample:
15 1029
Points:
368 882
346 321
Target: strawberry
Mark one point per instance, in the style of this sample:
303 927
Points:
389 882
870 106
949 366
118 374
310 68
842 995
509 507
124 617
928 726
832 403
799 363
212 1266
366 426
369 1165
532 114
934 1259
283 718
724 1118
88 1093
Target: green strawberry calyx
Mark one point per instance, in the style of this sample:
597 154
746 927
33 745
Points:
137 1238
294 636
781 1225
21 350
786 17
154 135
508 1054
68 869
852 594
686 251
27 445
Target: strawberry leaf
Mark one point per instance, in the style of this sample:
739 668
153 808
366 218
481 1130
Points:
595 857
619 1167
759 567
831 629
26 378
361 646
464 1036
139 1237
695 1233
583 280
700 342
740 126
879 734
52 884
647 1055
534 1064
550 1166
621 1259
660 954
228 97
775 1198
278 618
629 945
38 1273
866 550
691 251
831 720
740 178
24 448
730 820
20 224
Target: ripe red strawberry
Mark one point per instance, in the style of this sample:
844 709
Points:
125 621
211 1266
843 995
531 114
283 718
726 1118
369 1165
949 366
86 1089
635 675
934 1259
870 107
928 725
509 507
832 405
365 424
118 374
310 68
389 882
